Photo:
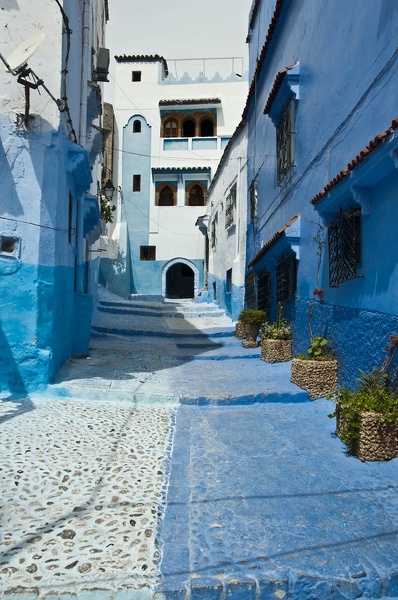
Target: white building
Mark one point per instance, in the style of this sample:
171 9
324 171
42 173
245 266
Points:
227 220
170 135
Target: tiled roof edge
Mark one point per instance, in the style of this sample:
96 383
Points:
142 58
276 86
264 50
173 169
374 143
190 101
278 234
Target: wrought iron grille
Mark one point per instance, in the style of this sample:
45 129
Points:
214 231
263 290
286 278
284 133
147 252
230 203
250 290
344 246
253 201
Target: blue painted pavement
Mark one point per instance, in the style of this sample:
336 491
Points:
263 502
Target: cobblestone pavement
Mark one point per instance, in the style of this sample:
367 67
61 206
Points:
81 490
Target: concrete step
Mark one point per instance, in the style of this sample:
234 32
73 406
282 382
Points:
170 311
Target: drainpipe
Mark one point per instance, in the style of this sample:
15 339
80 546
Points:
85 76
86 72
238 207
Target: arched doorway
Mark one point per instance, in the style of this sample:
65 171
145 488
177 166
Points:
180 279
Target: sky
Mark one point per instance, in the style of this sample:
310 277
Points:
178 29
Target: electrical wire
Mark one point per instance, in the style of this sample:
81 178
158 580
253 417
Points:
37 224
64 71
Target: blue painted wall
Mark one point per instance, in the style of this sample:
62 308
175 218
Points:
348 76
137 161
232 302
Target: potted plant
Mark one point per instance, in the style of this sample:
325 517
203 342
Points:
276 339
249 323
367 418
316 371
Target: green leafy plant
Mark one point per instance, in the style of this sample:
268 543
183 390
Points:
373 394
318 350
106 210
252 316
280 330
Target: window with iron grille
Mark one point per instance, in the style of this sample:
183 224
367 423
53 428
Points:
228 281
250 290
214 230
344 246
285 141
147 252
263 290
230 207
286 278
253 201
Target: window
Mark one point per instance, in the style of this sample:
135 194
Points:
136 76
147 252
228 281
344 246
196 195
285 141
188 128
166 195
170 128
250 290
286 278
188 124
207 128
214 230
137 126
230 206
253 201
136 183
263 290
9 246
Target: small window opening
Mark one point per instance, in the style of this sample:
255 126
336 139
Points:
147 252
7 245
207 128
170 129
136 76
137 126
188 128
136 183
166 197
228 281
196 196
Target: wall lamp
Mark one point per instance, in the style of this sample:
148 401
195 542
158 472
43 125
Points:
109 190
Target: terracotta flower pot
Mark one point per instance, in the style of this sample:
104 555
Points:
317 377
276 350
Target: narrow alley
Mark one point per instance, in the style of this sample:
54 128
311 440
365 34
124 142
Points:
173 463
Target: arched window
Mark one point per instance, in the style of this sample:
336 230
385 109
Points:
137 126
170 128
196 196
166 195
207 128
188 128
